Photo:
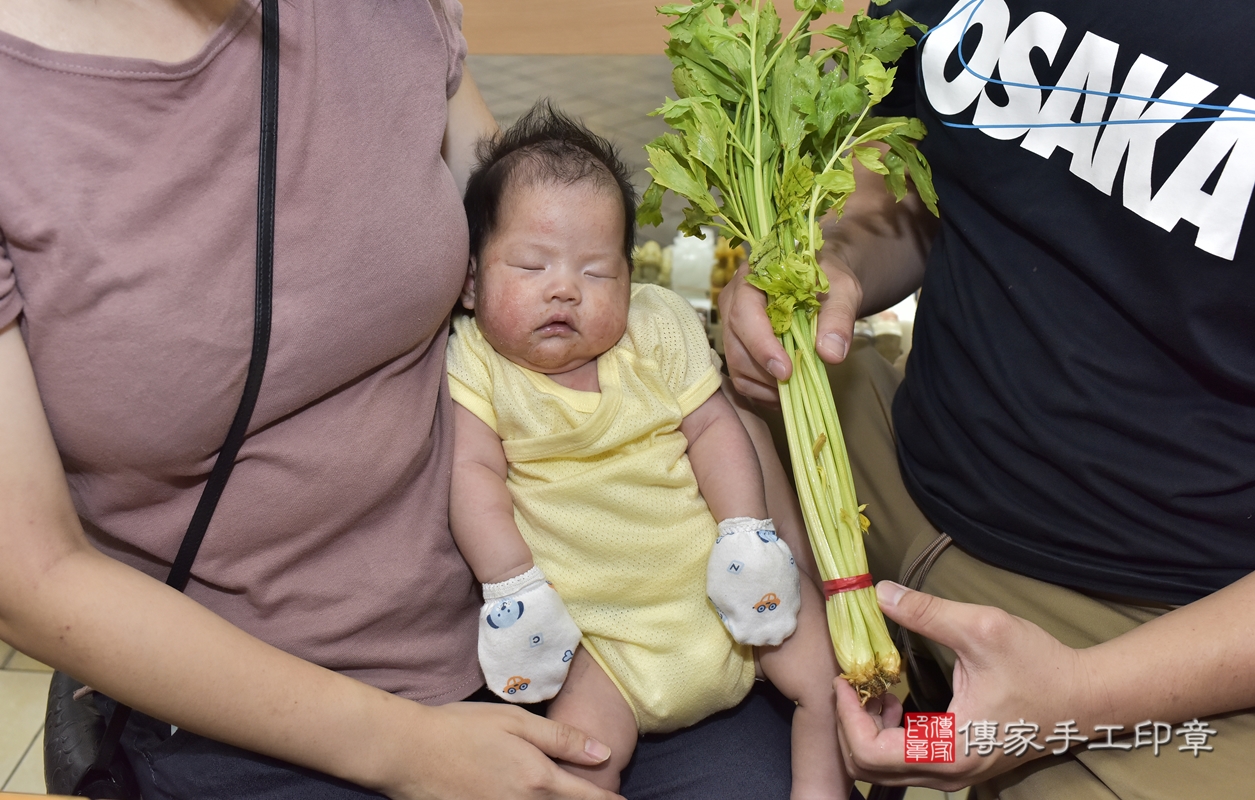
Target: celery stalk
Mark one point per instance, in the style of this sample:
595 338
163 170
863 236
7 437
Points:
834 522
767 130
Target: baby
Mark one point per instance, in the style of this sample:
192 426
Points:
605 491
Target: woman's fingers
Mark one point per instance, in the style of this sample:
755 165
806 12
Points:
562 742
489 751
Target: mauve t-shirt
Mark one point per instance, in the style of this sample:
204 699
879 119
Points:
128 196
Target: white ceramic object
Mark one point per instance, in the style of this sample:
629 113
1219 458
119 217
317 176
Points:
691 262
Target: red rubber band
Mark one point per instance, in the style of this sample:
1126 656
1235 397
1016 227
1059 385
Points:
840 585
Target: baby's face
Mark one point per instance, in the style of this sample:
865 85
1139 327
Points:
551 289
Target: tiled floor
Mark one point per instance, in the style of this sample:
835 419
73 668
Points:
23 696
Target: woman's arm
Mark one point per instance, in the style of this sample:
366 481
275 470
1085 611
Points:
1195 661
469 121
112 627
481 511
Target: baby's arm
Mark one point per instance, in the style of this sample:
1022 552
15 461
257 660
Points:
526 636
803 668
751 577
481 511
724 460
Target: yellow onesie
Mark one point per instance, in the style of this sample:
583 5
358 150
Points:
607 501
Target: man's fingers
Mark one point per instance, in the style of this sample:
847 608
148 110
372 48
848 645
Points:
562 742
741 363
748 378
837 311
963 627
866 746
859 726
758 392
890 711
745 317
878 755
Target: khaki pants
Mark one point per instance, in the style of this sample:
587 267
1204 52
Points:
863 388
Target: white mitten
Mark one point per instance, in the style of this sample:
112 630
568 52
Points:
753 581
526 638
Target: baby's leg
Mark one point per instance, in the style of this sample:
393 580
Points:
803 669
591 702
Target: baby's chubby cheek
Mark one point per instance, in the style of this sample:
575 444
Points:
611 321
607 328
502 323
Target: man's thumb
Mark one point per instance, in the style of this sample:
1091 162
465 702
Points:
944 621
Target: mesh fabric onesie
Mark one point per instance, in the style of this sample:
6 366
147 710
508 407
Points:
606 499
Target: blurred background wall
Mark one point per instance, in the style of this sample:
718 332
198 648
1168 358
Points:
576 27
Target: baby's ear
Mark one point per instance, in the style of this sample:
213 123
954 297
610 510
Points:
468 286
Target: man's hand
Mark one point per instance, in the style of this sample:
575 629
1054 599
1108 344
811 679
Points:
756 360
1007 670
873 257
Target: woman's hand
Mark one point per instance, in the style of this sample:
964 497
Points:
468 751
1007 670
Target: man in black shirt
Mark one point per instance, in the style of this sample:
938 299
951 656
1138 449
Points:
1078 412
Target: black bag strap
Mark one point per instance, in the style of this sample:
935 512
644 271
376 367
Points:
262 302
182 567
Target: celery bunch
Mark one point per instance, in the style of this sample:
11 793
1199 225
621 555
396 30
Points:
767 133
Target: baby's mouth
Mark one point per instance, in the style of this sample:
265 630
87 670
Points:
557 325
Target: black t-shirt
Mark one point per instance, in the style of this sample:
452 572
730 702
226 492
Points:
1079 405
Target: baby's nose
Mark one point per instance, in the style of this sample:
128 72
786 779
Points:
564 289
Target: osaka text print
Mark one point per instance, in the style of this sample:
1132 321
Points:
1079 114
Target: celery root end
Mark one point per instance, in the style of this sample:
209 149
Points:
872 682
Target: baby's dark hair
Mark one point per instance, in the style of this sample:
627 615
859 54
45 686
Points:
544 146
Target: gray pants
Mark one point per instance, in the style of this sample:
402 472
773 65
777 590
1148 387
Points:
738 754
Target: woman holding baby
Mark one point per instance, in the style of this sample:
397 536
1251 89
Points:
328 634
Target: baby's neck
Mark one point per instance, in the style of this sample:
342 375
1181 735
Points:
582 379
